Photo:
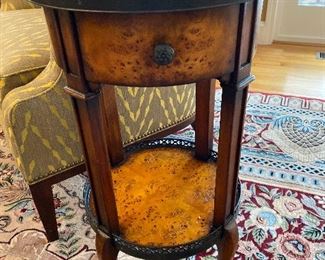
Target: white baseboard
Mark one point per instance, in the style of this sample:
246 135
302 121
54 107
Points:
299 39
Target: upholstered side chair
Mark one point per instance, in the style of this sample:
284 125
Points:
40 125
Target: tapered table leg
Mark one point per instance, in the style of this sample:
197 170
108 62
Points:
231 130
204 116
90 113
112 126
228 245
104 247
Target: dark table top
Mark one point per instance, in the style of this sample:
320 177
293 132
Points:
135 6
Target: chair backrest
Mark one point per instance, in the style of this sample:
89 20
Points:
8 5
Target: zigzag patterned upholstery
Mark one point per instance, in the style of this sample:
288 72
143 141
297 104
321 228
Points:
24 48
146 111
38 119
42 128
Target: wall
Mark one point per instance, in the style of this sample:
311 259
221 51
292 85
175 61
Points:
299 23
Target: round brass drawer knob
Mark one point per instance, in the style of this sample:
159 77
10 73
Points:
163 54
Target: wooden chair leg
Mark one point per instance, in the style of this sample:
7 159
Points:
104 247
228 245
43 199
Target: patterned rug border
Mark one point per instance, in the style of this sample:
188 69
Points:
285 95
290 186
293 104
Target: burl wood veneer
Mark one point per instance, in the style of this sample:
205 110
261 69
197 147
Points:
164 197
118 48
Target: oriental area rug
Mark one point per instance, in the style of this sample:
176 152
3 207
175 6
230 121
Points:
282 172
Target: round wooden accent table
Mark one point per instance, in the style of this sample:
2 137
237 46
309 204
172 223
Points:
146 200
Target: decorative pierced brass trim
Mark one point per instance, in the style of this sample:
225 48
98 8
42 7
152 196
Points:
167 252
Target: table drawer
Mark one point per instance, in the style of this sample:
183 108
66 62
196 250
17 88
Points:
130 49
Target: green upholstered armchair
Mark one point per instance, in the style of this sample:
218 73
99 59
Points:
40 125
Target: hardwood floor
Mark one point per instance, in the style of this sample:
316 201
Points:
289 69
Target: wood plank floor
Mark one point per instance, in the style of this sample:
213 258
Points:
289 69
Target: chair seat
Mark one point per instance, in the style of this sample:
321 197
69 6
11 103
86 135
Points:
24 48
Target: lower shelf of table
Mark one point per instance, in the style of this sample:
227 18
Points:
164 197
